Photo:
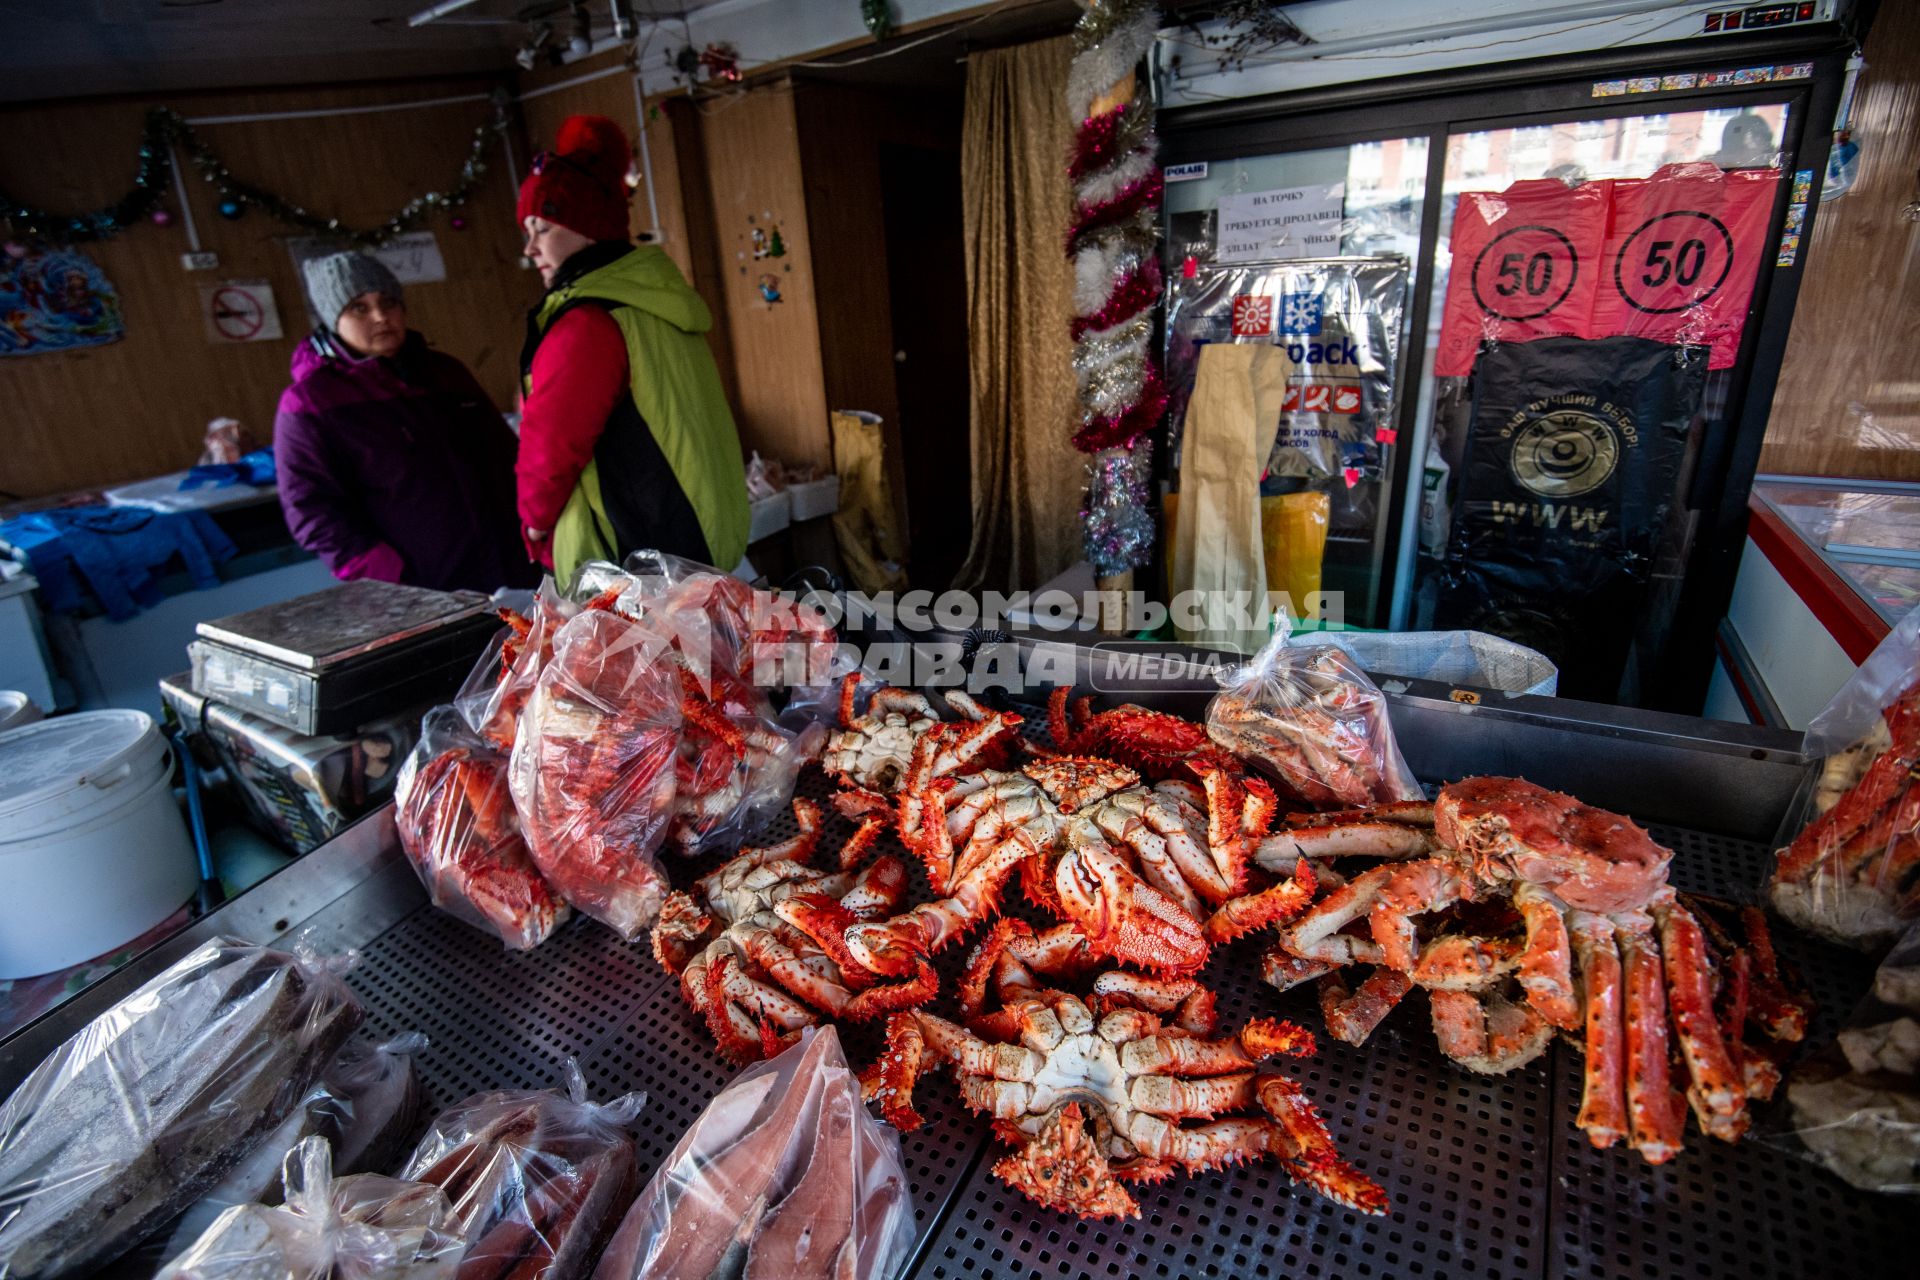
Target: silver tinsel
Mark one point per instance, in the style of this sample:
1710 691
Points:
1117 522
1111 367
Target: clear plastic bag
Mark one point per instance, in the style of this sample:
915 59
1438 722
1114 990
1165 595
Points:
1850 870
1311 719
457 823
501 682
783 1176
537 1178
592 772
1855 1108
364 1107
149 1105
363 1227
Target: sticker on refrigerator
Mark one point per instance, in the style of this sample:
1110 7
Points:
1291 222
1190 172
1252 316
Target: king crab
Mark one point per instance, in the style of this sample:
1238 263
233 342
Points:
744 943
1093 1100
1569 924
900 744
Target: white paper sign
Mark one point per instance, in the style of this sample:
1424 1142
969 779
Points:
414 258
1292 222
240 311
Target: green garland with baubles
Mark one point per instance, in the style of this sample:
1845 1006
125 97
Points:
167 129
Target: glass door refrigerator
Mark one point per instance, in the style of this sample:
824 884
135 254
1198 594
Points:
1531 318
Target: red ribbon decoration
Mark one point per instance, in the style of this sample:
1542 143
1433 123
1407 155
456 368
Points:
1139 290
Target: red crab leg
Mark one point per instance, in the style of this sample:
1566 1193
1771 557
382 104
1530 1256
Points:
1188 1055
1546 966
1869 857
1779 1012
890 1079
1316 1163
1351 1017
1369 839
1875 790
1655 1124
786 968
1057 715
861 840
1716 1091
1283 901
1432 884
1603 1107
848 688
1487 1033
1011 949
1316 935
1282 970
1191 1004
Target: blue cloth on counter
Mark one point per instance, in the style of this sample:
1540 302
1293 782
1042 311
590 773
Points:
253 468
116 552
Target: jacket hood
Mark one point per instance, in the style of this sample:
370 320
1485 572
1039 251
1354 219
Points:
646 279
320 350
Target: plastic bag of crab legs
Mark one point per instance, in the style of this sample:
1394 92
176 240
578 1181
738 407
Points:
502 680
1311 719
1849 863
593 767
457 823
783 1177
1855 1106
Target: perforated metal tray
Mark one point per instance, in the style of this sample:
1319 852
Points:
1488 1176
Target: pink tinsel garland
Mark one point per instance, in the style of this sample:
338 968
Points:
1143 193
1139 290
1124 429
1093 141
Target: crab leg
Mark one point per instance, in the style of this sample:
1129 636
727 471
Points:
1169 855
794 973
1876 789
1314 1160
1175 1098
1352 1016
1191 1004
1464 962
1283 901
1316 935
1654 1123
1546 966
1189 1055
1715 1085
1779 1013
1371 839
1283 971
1603 1108
1432 884
1490 1033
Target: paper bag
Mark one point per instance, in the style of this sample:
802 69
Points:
1237 394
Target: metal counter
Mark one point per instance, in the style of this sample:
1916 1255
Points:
1488 1176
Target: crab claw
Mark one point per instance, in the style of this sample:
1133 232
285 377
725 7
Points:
1062 1168
1284 901
826 920
890 1079
883 952
1125 917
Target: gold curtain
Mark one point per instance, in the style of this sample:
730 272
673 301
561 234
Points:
1027 476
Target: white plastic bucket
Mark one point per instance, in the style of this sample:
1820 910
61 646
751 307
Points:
16 709
93 850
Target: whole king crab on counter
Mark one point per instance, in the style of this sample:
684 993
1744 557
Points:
1522 911
1093 1093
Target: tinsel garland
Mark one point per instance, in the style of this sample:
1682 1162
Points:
165 129
1114 244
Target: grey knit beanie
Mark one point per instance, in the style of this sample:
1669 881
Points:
339 278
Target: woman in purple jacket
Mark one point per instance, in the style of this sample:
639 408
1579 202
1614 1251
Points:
391 461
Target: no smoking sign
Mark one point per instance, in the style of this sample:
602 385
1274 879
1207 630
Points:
240 311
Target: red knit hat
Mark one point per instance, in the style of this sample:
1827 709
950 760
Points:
582 183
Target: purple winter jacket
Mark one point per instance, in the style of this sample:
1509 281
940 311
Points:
398 469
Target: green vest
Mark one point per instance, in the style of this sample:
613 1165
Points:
675 387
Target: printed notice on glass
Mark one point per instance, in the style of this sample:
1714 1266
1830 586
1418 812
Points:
1292 222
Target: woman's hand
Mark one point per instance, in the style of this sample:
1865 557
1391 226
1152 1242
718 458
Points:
539 535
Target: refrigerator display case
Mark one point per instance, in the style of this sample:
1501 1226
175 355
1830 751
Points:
1866 531
1380 172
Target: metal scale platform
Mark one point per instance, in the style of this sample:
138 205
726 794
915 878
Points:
1488 1177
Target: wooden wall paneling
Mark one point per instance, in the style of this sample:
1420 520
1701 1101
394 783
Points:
680 159
138 407
1857 322
754 177
840 160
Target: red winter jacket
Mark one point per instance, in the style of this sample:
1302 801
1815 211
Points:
579 374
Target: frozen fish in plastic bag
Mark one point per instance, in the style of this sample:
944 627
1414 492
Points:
783 1177
456 821
1310 718
1849 865
364 1106
148 1106
1855 1107
537 1178
361 1227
